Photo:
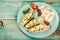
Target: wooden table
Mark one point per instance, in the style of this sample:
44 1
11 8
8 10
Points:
8 13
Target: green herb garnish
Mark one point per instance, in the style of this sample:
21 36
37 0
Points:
26 11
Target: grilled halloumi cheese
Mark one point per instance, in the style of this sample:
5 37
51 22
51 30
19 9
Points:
39 28
34 22
27 18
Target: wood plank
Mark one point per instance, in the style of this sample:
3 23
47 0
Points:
9 10
31 0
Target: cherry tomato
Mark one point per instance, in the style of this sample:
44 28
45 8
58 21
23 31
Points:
46 22
34 6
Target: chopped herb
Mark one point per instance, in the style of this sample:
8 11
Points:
26 11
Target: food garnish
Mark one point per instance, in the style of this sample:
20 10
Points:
26 11
39 12
47 22
34 6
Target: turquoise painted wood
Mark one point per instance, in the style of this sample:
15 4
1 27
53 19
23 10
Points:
32 0
8 14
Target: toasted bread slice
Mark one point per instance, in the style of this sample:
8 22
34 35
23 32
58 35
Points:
27 18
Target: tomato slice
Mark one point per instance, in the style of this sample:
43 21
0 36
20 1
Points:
34 6
46 22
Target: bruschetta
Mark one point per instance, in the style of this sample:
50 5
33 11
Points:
34 22
27 18
39 28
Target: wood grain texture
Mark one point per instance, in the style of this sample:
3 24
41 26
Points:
9 10
31 0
